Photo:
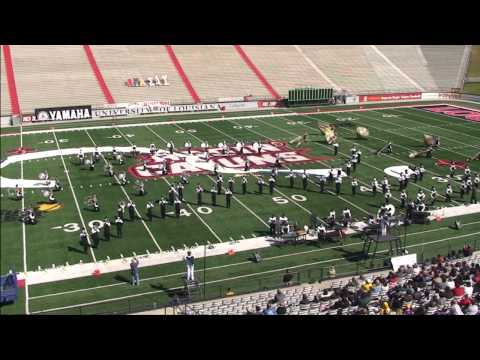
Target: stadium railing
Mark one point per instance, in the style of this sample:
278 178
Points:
177 299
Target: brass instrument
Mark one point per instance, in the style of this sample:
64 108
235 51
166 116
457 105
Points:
415 154
329 132
362 132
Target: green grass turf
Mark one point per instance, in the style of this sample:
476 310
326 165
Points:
474 67
206 115
45 247
472 88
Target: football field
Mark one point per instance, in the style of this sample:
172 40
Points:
55 239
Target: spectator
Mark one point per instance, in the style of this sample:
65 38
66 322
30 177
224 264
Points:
269 310
287 278
472 310
134 271
458 291
304 300
455 308
281 310
468 288
279 297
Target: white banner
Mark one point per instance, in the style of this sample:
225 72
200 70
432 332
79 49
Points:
133 109
352 100
430 96
244 105
405 260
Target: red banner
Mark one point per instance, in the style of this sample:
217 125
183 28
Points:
390 97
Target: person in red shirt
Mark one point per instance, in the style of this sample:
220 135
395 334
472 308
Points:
466 301
459 291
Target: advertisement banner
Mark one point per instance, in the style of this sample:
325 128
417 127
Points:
244 105
352 100
448 96
390 97
134 110
80 112
267 104
430 96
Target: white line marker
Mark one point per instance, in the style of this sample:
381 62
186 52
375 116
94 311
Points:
75 199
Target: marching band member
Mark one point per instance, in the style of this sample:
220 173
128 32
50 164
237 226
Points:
291 177
354 186
271 184
260 183
448 193
332 218
433 195
244 184
231 183
170 147
374 186
153 149
188 146
403 198
304 179
422 171
199 190
347 217
271 223
338 184
321 232
387 196
150 207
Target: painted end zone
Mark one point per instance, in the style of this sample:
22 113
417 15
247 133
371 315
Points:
454 111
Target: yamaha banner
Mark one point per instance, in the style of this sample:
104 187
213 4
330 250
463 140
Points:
80 112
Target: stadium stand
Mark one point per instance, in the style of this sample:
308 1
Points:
436 287
4 94
357 68
446 63
121 62
65 76
217 71
284 67
54 75
411 60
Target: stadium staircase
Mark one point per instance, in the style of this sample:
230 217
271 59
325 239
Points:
217 71
284 67
122 62
5 103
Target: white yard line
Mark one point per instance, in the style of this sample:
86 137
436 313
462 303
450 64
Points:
245 276
328 191
369 148
189 206
418 131
389 62
75 198
128 197
24 235
233 196
443 128
315 67
213 119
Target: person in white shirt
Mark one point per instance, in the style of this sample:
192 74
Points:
456 309
468 289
